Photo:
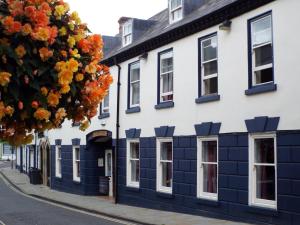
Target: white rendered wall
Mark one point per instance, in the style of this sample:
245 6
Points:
234 106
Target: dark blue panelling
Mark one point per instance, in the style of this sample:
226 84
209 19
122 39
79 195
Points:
133 133
75 141
57 141
208 128
164 131
262 124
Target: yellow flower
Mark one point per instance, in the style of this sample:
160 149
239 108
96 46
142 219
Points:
71 26
53 99
20 51
74 53
42 34
84 125
62 31
4 78
65 89
73 65
9 110
60 66
60 10
44 91
75 17
79 77
65 77
71 41
91 68
60 114
42 114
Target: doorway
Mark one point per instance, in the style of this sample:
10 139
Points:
45 162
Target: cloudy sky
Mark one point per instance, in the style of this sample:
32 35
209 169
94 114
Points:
102 15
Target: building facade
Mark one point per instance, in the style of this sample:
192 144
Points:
202 116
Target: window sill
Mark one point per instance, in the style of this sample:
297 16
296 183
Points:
132 189
261 89
208 202
164 195
263 211
103 116
133 110
207 98
165 105
76 181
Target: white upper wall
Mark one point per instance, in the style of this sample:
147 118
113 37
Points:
234 106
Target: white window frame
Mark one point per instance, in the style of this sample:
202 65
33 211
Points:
159 186
75 162
200 192
131 183
58 162
133 82
263 67
166 55
253 201
172 11
127 34
215 75
105 108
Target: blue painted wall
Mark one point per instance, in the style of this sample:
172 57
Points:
233 180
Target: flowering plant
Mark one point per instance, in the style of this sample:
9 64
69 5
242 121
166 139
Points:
49 69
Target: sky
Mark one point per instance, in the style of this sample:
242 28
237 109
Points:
102 15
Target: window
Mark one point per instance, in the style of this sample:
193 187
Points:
207 168
209 65
262 167
176 10
105 104
261 55
134 84
76 163
166 76
133 163
127 33
164 165
58 161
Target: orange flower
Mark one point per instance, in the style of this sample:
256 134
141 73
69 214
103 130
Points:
30 11
46 8
4 78
65 89
73 65
45 54
41 34
63 53
42 114
65 77
53 98
91 68
26 29
34 104
9 110
2 110
79 77
60 114
44 91
53 34
20 51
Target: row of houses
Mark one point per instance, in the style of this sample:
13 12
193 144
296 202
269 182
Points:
202 117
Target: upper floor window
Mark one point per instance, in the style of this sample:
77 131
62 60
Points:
263 171
261 55
209 65
164 165
166 76
105 104
127 33
133 163
134 84
176 10
76 163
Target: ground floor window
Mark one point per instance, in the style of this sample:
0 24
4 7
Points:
263 170
164 165
207 168
58 161
76 163
133 163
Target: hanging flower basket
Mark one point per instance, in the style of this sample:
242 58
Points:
49 69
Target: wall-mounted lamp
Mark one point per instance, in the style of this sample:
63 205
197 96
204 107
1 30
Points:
143 56
226 25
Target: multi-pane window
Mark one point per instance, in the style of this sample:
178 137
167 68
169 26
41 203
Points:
134 76
166 76
76 163
105 104
209 65
263 175
133 163
127 33
164 165
262 50
58 161
176 10
207 168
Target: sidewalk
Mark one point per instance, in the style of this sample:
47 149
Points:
99 206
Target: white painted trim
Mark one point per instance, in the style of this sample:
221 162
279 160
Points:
57 160
253 201
159 186
130 183
108 151
75 177
200 192
171 11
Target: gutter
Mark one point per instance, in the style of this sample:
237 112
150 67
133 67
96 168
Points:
117 132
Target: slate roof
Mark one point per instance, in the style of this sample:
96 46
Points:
161 26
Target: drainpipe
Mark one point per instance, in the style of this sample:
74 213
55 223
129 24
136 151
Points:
117 131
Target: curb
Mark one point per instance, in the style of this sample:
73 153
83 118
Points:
74 206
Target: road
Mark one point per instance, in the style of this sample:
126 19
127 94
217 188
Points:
18 209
